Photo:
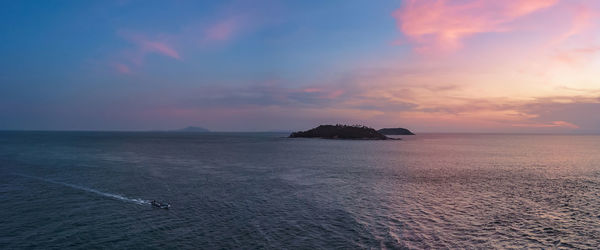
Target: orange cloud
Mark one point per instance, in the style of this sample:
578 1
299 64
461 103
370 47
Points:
441 25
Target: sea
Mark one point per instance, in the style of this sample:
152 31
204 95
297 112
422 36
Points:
92 190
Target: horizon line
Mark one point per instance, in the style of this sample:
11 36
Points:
282 131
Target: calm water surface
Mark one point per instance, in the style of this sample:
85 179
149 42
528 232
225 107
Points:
87 190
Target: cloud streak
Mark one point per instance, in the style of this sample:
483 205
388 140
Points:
222 30
160 48
554 124
134 57
380 104
191 38
122 68
442 25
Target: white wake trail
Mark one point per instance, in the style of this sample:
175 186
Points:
114 196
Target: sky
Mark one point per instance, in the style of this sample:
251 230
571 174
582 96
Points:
513 66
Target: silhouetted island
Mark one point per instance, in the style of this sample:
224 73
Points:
193 129
341 132
395 131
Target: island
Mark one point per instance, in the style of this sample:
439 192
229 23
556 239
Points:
356 132
395 131
193 129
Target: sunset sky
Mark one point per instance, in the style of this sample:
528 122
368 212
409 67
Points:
428 65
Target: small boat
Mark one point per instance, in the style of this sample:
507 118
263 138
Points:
160 204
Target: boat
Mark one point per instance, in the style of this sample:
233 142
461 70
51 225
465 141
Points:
162 205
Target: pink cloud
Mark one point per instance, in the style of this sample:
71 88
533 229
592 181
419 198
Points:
222 31
122 68
162 44
134 57
160 48
324 93
145 45
441 25
335 94
582 20
227 23
554 124
311 90
575 56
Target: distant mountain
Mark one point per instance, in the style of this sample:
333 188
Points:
395 131
192 129
341 132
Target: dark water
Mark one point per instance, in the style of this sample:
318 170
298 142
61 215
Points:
90 190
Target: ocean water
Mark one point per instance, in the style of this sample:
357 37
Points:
83 190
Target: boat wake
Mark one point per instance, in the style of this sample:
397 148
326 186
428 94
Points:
114 196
